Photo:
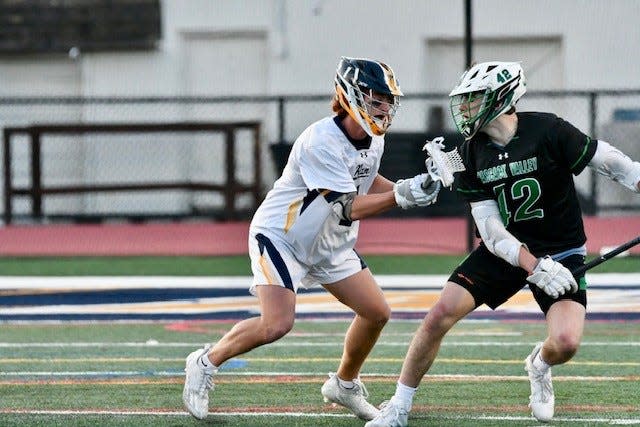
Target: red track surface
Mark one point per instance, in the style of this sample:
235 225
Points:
377 236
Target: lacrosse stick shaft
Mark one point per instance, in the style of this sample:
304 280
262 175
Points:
602 258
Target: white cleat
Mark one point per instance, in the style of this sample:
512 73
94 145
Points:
353 399
198 382
541 400
391 415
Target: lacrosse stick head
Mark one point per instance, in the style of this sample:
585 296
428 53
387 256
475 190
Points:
441 164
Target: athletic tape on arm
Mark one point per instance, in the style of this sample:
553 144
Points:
493 232
343 205
613 163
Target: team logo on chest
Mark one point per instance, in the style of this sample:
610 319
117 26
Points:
362 171
499 172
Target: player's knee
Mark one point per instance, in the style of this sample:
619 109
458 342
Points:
375 314
440 319
441 313
276 329
380 315
567 344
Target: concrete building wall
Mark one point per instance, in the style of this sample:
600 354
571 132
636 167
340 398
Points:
280 47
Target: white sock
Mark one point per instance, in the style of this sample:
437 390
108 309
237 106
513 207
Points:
404 395
345 384
206 363
539 363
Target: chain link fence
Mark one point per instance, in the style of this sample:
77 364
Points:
98 159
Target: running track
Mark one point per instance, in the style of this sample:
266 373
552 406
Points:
377 236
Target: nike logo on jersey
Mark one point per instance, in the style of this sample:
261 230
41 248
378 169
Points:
362 171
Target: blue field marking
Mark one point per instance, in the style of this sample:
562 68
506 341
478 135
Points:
612 297
115 296
133 295
234 364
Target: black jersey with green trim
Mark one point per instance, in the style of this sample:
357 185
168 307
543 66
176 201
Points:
531 180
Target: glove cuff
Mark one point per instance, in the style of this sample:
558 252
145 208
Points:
545 263
401 201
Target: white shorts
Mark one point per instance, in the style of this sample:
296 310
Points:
273 263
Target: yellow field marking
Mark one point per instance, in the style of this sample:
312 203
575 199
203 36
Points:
413 300
296 360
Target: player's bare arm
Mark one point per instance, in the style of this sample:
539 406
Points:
385 194
368 205
381 185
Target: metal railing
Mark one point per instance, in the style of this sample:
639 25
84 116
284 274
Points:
283 117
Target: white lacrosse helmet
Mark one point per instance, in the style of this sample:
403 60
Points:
356 81
484 92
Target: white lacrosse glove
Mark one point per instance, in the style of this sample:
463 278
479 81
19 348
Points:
553 278
432 169
421 190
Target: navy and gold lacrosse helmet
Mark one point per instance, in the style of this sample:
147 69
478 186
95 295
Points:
369 92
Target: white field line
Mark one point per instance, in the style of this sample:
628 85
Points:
293 335
287 343
173 374
407 281
610 421
49 360
408 334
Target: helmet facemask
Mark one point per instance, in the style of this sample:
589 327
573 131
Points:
371 109
376 110
485 92
471 110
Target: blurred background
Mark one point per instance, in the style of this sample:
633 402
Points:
180 110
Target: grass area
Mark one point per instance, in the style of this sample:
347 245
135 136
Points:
123 374
237 265
477 380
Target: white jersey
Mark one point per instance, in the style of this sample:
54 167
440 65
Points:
301 210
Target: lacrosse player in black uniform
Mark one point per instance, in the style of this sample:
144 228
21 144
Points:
519 182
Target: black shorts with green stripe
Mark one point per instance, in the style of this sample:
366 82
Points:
492 281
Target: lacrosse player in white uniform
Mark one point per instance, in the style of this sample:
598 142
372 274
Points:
304 234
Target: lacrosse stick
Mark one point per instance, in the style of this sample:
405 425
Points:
604 257
442 164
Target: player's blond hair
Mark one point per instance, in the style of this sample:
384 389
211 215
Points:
337 108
